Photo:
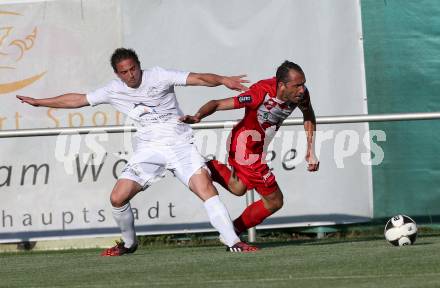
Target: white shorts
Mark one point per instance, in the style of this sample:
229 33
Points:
149 163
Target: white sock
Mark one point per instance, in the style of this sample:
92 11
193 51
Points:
125 220
219 218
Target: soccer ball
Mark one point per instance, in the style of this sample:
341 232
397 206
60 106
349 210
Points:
401 230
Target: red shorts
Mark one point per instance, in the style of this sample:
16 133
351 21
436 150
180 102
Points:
256 176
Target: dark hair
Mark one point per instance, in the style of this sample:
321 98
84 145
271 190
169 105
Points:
283 71
123 54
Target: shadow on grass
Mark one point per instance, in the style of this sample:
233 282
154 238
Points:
326 241
423 243
331 241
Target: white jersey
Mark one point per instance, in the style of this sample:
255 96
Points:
152 106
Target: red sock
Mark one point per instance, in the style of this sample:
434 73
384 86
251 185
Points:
253 215
220 173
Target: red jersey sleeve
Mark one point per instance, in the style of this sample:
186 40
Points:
251 98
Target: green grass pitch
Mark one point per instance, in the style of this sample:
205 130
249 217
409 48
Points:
364 262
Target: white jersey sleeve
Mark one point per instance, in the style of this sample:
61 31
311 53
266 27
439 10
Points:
171 77
100 95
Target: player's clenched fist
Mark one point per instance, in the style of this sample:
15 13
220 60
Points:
190 119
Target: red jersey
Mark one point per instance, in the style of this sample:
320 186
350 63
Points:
263 117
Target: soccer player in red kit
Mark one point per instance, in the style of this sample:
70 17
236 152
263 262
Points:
267 103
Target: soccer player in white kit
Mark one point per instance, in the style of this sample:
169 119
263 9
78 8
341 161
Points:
162 141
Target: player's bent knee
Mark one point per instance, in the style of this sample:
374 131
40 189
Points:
279 203
123 191
239 191
201 185
116 201
237 188
275 203
275 206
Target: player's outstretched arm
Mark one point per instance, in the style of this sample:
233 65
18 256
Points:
310 129
209 108
69 100
312 160
212 80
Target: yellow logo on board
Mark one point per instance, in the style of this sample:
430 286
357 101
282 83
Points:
12 51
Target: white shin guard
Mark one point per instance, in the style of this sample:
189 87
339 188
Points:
220 219
125 220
